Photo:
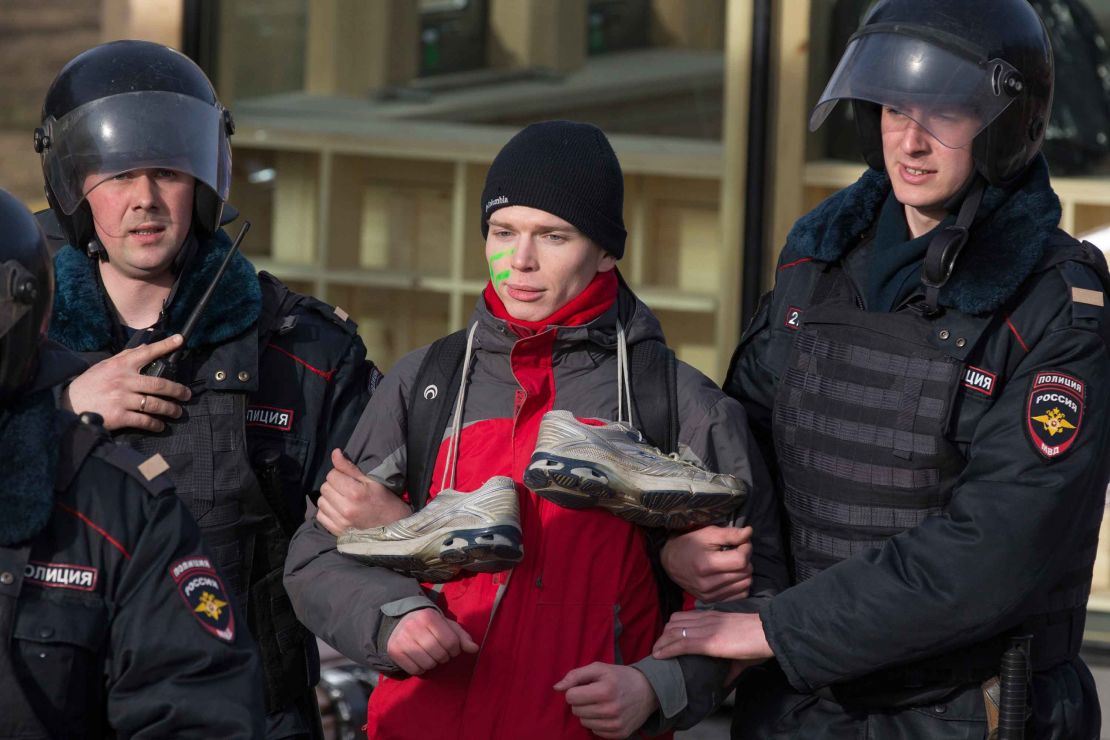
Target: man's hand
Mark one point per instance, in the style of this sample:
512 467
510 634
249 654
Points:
718 634
611 700
114 389
424 639
712 563
350 500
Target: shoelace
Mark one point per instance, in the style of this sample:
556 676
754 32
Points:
673 456
456 423
624 387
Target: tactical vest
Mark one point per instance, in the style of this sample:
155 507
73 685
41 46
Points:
206 449
245 522
861 425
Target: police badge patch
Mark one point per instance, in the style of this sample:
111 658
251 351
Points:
1054 412
204 595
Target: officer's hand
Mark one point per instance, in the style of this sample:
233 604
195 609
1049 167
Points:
114 389
712 563
718 634
350 500
424 639
610 700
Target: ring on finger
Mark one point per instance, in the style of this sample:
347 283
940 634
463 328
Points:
142 404
683 633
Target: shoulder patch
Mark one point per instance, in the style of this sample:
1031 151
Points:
146 471
204 595
1083 295
1054 412
154 466
333 314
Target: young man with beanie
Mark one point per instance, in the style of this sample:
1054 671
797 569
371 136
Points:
547 649
931 378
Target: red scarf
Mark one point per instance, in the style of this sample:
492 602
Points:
593 301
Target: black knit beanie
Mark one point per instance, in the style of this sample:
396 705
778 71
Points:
567 169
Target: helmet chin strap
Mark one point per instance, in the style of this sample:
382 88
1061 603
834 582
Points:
944 249
956 199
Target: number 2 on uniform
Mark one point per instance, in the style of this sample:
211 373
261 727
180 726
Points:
793 318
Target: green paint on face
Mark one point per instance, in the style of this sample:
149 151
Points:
499 277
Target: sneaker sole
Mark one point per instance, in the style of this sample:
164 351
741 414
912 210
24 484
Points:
484 550
574 484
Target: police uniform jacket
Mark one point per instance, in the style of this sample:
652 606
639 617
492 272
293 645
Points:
113 619
943 474
278 381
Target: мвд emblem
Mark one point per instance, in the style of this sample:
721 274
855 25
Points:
1054 412
204 595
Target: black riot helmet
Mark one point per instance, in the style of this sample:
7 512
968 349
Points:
973 72
26 295
129 105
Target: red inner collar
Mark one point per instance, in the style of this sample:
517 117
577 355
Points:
588 305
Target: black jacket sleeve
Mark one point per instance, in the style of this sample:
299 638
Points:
168 675
348 394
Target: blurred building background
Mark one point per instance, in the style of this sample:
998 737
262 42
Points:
365 127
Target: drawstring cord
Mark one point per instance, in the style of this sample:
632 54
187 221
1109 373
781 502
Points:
456 423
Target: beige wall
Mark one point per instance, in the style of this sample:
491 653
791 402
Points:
37 37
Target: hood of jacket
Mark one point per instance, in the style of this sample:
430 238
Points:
1007 240
83 321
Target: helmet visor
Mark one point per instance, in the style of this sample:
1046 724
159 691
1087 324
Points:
131 131
947 92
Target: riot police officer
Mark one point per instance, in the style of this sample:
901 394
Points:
929 378
112 618
137 162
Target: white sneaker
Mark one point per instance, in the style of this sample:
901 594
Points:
578 466
456 531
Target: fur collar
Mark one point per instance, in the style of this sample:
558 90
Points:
30 442
1008 238
83 323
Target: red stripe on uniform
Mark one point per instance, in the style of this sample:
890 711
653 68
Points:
114 542
795 262
326 375
1013 328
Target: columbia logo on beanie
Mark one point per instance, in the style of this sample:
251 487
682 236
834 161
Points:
567 169
500 200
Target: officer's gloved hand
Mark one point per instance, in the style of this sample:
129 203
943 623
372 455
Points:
114 389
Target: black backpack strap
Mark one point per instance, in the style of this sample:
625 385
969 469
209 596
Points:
653 372
431 399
